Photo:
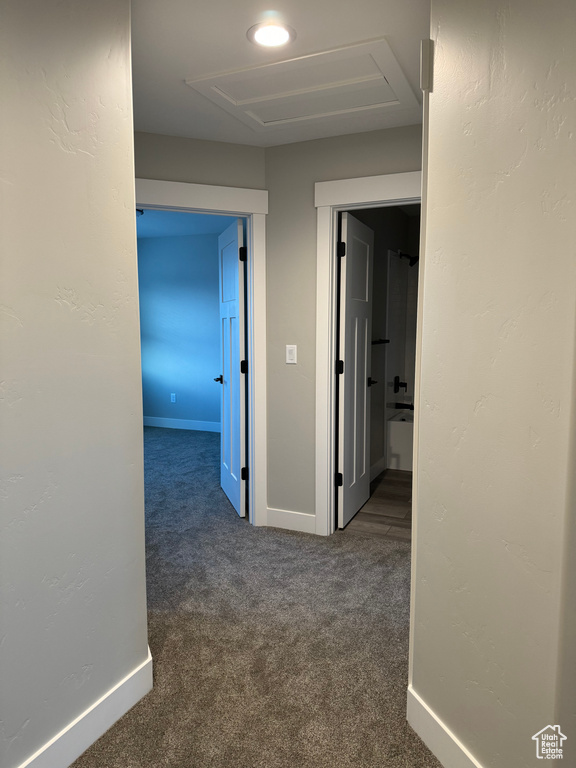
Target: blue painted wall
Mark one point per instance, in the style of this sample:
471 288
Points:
179 322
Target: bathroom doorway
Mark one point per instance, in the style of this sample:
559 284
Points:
332 199
376 432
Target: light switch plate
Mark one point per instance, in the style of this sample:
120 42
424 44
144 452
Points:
291 354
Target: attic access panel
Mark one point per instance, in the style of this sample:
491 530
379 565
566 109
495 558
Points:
321 87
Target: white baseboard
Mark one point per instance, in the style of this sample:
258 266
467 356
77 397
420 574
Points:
378 468
201 426
81 733
437 736
292 521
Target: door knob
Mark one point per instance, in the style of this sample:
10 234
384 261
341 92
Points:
371 381
220 379
399 384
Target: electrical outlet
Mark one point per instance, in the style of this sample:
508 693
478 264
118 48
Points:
173 397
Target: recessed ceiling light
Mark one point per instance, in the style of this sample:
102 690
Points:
271 34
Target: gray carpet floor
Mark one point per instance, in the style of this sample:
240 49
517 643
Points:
271 649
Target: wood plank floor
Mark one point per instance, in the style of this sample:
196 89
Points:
388 511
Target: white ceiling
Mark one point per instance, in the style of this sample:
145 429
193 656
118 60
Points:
183 40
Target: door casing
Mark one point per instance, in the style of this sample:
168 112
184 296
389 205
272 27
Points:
332 197
251 204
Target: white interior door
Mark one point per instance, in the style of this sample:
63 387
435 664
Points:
233 402
355 352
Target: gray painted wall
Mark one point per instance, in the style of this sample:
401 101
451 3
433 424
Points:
72 582
291 172
495 463
171 158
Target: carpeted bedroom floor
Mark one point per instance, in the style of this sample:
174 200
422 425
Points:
271 649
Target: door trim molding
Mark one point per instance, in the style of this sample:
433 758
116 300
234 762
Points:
330 198
202 198
253 205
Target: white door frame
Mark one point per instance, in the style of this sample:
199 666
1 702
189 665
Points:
331 197
252 204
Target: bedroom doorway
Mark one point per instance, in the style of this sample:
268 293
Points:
192 325
251 207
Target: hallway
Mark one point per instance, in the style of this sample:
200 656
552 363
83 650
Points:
271 648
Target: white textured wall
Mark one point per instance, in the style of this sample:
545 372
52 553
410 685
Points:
496 410
72 597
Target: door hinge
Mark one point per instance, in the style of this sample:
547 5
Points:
426 65
243 366
341 249
244 473
339 366
243 253
338 479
